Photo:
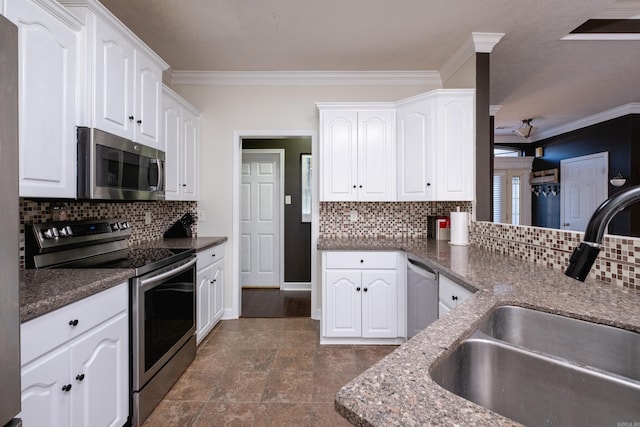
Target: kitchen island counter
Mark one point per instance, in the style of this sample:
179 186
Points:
399 390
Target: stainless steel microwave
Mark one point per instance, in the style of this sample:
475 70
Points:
115 168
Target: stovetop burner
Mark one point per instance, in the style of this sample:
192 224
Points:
93 244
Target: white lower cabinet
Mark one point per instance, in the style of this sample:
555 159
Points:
210 291
450 295
75 363
361 296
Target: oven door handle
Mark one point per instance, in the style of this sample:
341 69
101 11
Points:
144 283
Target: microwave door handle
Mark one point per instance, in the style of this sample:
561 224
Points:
159 184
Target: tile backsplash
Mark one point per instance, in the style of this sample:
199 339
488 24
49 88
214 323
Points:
163 215
616 264
382 219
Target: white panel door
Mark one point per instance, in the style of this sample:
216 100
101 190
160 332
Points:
339 155
584 188
190 129
100 375
47 101
379 304
376 156
260 220
173 143
343 303
148 102
204 323
455 147
416 157
44 402
113 96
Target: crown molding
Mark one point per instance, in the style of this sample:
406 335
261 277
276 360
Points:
476 43
602 36
614 113
306 78
485 42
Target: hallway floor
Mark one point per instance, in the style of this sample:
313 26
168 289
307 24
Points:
264 372
264 302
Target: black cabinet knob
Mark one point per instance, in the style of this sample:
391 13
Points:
354 186
358 289
454 298
361 261
131 118
73 322
365 289
66 387
428 184
80 377
360 186
139 122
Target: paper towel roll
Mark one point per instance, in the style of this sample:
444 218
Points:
459 228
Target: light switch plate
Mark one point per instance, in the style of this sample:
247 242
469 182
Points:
287 199
201 215
147 218
353 217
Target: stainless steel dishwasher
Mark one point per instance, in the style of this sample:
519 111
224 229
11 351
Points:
422 296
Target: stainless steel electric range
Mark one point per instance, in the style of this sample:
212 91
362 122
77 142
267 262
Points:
162 296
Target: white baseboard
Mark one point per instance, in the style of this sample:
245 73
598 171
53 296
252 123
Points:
296 286
228 314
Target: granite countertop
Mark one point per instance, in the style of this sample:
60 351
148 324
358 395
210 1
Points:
399 390
197 243
44 290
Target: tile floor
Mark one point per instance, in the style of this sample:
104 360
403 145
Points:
264 372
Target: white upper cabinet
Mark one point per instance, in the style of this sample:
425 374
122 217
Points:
181 139
357 153
415 136
123 77
455 145
47 66
436 146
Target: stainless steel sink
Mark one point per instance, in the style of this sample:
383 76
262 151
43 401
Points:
547 370
604 347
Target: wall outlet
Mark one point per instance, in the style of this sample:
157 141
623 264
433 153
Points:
147 218
353 216
201 215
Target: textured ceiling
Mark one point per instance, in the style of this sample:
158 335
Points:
533 72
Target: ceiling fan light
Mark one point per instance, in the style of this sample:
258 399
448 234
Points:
525 130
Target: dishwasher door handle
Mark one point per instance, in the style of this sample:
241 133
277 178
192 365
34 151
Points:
421 269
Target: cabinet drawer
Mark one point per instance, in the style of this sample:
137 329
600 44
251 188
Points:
209 256
451 293
361 259
48 331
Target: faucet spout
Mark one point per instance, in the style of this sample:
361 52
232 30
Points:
586 253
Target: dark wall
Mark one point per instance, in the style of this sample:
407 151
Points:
620 137
297 234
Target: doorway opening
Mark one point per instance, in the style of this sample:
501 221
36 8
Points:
275 226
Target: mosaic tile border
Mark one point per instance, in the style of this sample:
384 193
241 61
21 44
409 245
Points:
163 215
382 219
616 264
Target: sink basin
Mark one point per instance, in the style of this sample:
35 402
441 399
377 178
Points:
603 347
546 370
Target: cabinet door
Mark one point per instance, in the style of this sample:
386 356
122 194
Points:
172 134
415 136
455 147
339 154
376 156
343 303
148 109
379 304
204 309
189 174
47 101
100 375
113 90
218 291
44 402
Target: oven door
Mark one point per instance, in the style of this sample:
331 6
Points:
162 317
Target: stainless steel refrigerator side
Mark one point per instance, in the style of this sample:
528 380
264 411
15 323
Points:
9 224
